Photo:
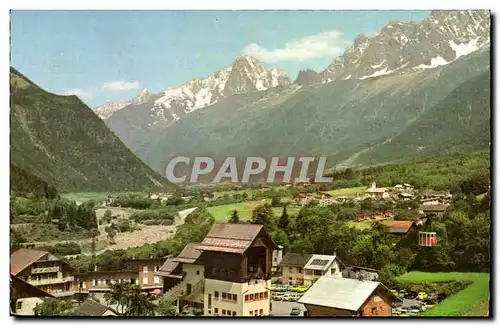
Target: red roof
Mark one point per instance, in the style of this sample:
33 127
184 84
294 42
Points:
398 226
229 237
23 258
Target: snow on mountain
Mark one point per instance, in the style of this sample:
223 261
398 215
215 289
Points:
109 108
441 38
245 75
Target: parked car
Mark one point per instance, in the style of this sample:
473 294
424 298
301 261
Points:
280 288
394 292
295 311
301 289
421 296
272 287
277 296
286 297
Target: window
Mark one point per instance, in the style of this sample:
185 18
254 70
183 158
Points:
247 297
214 271
157 268
256 312
290 269
261 295
19 305
197 272
235 297
300 270
317 273
216 295
265 295
94 282
145 280
157 280
374 310
234 313
251 297
223 272
216 311
189 288
261 312
223 295
223 312
145 269
230 273
209 301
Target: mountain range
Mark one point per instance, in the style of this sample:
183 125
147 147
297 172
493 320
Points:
57 141
363 104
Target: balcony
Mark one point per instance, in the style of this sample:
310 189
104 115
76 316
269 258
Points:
40 270
51 280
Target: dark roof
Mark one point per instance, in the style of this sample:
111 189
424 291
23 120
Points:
434 208
22 258
189 254
399 226
21 289
168 269
230 237
90 308
363 268
292 259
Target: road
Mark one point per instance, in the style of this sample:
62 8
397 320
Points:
147 234
283 308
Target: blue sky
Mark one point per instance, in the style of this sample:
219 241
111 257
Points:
111 55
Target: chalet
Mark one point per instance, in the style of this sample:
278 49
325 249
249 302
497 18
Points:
331 296
405 196
374 216
304 269
139 272
91 308
377 193
361 273
292 268
227 274
326 199
24 296
437 210
399 227
44 271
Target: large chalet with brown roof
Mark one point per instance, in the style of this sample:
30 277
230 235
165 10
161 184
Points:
227 274
44 271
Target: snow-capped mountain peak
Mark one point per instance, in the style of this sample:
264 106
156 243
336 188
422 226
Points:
109 108
399 47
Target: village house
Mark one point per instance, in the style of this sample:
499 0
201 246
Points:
44 271
377 193
227 274
434 210
326 200
24 297
374 216
91 308
139 272
292 268
331 296
277 258
361 273
304 199
302 269
400 228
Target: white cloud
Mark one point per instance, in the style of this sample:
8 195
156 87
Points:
79 92
121 85
325 44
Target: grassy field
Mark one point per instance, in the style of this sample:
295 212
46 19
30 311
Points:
360 225
347 191
472 301
249 192
81 197
223 212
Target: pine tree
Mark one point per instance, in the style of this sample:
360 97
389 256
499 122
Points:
235 218
284 221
